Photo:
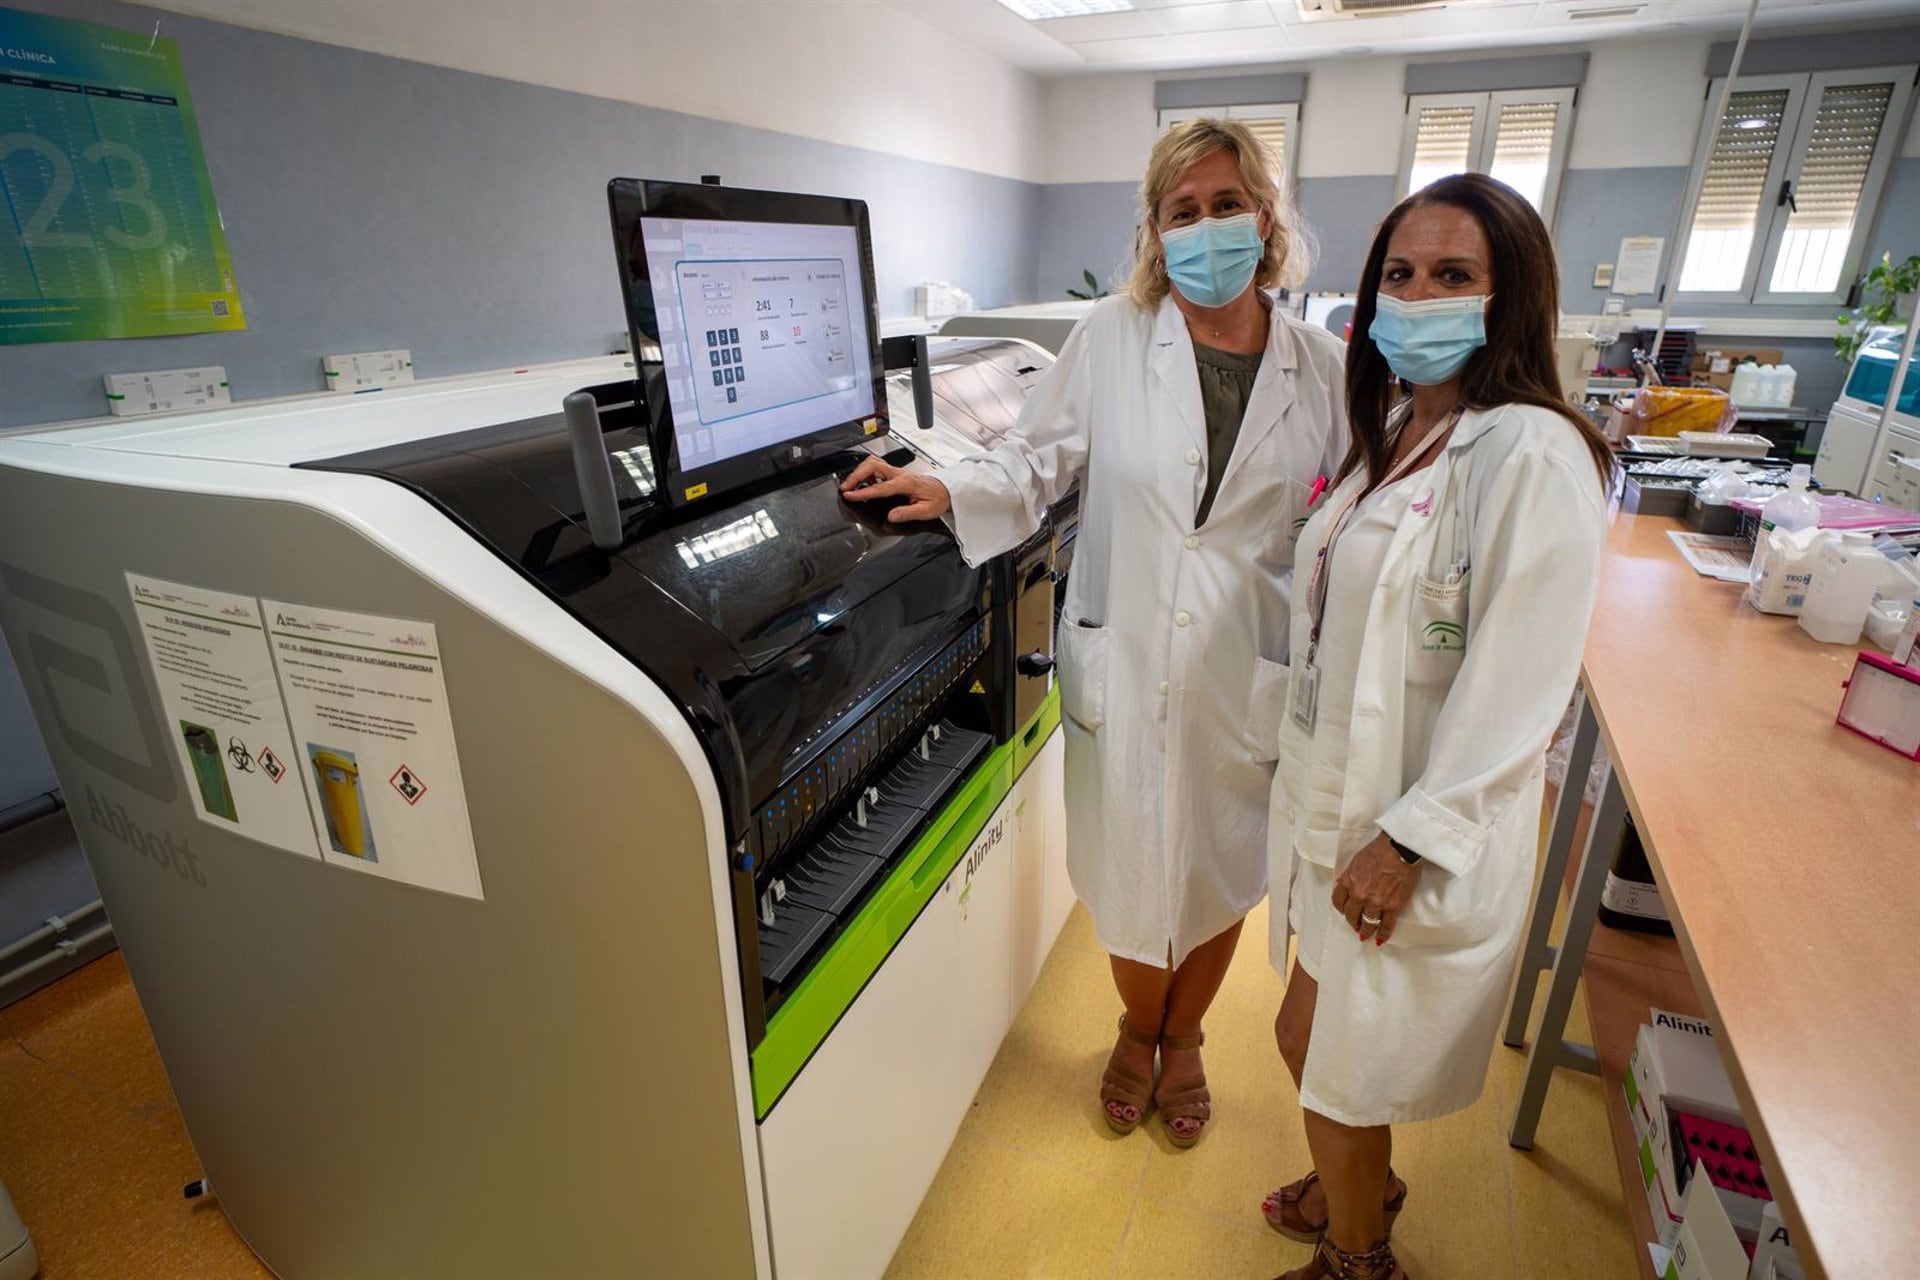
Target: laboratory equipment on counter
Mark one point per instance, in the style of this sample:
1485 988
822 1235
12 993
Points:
1903 648
1847 570
1854 421
1790 510
1882 703
1045 324
755 862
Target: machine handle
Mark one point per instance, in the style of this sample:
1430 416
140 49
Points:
1033 664
593 470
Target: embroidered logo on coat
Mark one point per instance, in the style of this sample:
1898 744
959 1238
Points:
1424 507
1444 637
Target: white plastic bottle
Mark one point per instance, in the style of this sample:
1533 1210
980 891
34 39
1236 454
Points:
1792 509
1785 375
1746 385
1846 572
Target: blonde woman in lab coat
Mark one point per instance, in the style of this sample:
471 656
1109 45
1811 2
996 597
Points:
1195 419
1442 602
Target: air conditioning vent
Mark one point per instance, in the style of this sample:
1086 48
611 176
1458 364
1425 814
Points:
1608 11
1363 8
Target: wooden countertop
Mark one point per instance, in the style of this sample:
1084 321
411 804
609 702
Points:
1789 852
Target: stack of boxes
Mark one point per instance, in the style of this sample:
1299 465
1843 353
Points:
1699 1167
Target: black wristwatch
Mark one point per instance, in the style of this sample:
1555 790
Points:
1407 855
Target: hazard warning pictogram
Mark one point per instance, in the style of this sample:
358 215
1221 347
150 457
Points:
408 784
270 764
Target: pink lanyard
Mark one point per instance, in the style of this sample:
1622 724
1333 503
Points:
1320 584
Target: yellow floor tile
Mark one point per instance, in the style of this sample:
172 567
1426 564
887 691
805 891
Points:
1569 1218
999 1214
1165 1240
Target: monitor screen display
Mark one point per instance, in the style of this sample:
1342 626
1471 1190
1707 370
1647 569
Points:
761 305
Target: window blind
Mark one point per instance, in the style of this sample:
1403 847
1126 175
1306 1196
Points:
1442 144
1523 147
1846 129
1724 222
1271 132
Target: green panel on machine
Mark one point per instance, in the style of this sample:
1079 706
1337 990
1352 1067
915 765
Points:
803 1021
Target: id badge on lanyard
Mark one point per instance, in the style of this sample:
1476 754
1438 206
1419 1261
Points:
1303 699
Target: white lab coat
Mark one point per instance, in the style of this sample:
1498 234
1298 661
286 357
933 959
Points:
1445 754
1172 639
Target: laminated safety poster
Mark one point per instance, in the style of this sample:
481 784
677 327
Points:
367 702
113 231
224 712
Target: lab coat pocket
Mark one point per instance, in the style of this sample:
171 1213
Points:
1083 674
1290 516
1266 708
1438 626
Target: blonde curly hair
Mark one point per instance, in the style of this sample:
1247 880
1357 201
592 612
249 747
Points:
1290 246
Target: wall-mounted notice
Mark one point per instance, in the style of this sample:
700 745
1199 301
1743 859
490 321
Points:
367 702
114 232
224 712
1637 269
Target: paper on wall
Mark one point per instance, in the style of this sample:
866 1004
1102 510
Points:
1637 269
367 701
225 715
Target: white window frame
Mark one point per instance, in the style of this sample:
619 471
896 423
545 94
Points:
1804 92
1284 111
1486 110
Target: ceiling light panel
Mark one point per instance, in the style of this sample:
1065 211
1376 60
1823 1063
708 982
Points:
1042 10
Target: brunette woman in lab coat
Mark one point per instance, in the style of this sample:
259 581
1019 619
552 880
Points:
1195 418
1444 590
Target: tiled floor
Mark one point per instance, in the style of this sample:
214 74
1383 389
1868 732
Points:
93 1152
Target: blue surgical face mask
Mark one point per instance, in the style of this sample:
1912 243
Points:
1428 342
1212 261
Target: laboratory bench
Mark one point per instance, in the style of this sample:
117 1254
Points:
1783 848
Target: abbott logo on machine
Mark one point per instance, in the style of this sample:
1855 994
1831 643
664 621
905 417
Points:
93 703
163 849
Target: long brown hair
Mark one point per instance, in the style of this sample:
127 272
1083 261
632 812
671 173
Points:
1516 366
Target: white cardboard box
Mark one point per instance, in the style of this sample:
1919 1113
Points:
1773 1255
1676 1065
1706 1248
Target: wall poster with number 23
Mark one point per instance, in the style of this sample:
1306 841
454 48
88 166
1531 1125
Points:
110 228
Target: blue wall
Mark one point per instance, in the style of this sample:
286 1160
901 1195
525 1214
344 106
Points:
466 219
1091 224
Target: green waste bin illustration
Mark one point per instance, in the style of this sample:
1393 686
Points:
339 778
209 771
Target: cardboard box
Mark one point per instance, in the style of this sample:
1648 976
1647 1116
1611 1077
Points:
1706 1247
1676 1083
1773 1255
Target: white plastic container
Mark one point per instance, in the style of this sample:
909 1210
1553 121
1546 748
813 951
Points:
1792 509
1746 385
1847 571
1784 376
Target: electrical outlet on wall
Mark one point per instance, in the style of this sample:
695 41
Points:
161 390
367 370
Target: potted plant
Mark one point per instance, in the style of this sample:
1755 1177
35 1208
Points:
1886 297
1093 289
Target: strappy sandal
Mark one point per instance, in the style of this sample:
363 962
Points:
1332 1263
1281 1209
1122 1086
1187 1100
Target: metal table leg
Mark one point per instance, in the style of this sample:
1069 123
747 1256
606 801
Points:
1536 957
1550 1049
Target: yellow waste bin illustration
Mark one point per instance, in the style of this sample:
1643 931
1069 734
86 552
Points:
340 801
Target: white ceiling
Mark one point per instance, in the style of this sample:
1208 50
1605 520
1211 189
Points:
1167 34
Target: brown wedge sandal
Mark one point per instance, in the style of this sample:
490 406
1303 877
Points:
1186 1100
1281 1209
1122 1086
1332 1263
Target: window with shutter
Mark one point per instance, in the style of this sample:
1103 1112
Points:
1523 147
1791 177
1728 214
1442 144
1826 193
1516 135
